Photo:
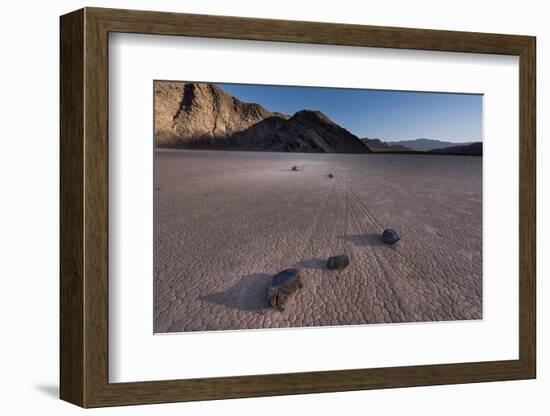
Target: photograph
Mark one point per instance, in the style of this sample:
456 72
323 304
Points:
279 206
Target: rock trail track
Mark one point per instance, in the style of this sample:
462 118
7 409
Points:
226 222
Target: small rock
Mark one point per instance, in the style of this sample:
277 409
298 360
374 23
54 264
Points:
389 236
330 175
338 262
296 168
284 287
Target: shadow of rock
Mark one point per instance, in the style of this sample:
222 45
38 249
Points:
249 294
316 264
364 240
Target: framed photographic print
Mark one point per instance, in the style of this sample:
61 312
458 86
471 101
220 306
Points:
257 207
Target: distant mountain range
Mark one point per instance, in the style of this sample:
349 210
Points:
377 145
204 116
424 146
472 149
198 115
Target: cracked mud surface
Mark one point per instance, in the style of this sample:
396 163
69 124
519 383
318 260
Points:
226 222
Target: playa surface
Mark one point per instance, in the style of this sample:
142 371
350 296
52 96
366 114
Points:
226 222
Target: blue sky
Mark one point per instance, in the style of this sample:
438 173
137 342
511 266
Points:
388 115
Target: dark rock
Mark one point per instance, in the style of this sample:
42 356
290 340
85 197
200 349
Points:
284 287
330 175
389 236
338 262
295 168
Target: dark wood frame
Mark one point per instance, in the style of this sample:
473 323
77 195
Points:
84 209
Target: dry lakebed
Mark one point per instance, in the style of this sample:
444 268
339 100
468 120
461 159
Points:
226 222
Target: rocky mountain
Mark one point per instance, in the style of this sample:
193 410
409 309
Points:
425 145
199 115
377 145
196 112
305 131
472 149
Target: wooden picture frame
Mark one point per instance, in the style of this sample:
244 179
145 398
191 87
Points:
84 207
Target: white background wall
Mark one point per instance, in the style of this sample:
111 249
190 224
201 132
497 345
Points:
29 206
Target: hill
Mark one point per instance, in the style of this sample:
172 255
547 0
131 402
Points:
473 149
